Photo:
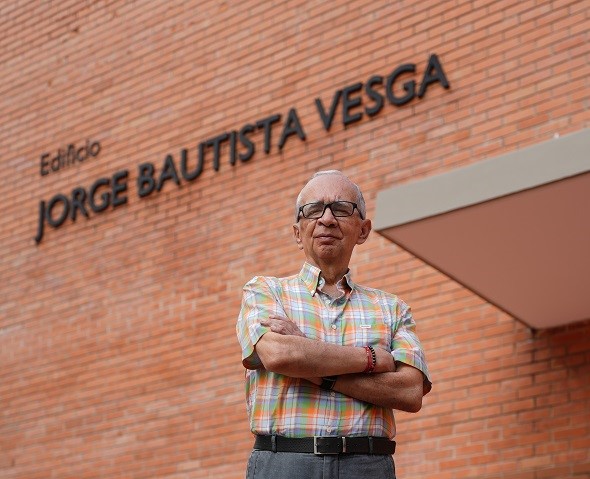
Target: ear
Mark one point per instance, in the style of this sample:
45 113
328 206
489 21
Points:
365 230
297 236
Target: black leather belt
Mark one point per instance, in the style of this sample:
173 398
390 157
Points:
326 444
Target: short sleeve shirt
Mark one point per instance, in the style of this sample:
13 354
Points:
361 316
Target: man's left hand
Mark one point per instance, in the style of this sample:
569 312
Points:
282 326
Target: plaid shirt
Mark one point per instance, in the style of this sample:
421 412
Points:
294 407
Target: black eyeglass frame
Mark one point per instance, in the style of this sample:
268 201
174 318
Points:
326 206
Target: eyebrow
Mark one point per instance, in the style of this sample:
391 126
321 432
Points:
330 201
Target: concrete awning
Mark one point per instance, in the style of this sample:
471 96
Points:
513 229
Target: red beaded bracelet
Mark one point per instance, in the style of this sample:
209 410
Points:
371 359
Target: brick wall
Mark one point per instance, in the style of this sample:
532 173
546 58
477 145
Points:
117 349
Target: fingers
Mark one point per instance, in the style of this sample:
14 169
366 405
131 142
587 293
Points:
316 381
281 326
385 362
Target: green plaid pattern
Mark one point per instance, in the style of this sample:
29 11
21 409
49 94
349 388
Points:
362 316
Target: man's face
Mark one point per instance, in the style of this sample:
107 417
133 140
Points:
330 240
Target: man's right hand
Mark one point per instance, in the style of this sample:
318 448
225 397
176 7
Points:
385 362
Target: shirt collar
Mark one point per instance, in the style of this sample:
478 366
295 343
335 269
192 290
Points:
310 276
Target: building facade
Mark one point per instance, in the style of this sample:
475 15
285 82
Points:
152 152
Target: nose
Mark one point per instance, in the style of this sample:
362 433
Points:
327 217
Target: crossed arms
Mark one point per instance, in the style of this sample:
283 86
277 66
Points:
285 350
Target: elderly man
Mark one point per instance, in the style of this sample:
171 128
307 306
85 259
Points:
327 359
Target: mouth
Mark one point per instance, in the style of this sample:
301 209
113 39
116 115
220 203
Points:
325 236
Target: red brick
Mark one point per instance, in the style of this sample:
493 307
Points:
106 327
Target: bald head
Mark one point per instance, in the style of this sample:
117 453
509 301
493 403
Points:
319 176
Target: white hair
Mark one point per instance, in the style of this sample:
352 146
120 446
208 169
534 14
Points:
360 200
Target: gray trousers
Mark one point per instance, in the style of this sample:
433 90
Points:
292 465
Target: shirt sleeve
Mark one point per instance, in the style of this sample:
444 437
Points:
258 302
406 347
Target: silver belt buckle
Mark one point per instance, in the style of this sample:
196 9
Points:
318 453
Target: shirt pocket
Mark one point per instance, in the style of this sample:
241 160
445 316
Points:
372 327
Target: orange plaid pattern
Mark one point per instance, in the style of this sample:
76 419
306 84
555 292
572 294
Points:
294 407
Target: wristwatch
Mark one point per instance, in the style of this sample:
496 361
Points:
328 383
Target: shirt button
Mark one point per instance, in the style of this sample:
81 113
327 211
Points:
328 429
333 326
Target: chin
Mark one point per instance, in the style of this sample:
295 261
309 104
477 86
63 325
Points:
328 253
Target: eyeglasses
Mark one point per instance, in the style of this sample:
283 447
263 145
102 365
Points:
339 209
